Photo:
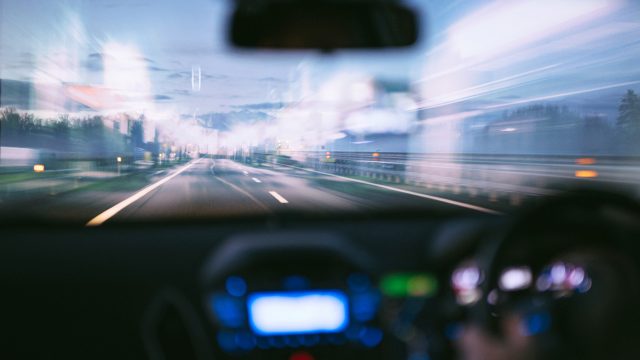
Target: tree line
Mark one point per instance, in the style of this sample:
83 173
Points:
552 129
87 135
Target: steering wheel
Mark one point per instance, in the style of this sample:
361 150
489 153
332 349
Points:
563 281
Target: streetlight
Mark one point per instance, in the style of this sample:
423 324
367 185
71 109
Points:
118 161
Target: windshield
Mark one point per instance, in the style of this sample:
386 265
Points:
117 110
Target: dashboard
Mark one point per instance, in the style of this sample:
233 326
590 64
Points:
381 286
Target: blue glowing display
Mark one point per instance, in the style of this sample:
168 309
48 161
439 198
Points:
236 286
371 337
365 305
228 310
299 312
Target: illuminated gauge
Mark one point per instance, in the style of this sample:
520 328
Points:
563 277
515 278
419 285
466 283
300 312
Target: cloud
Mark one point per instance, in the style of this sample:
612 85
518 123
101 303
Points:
156 68
180 92
95 62
262 106
214 77
187 75
271 79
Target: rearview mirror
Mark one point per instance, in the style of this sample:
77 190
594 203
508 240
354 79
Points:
322 24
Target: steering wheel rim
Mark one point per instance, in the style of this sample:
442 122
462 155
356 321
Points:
610 218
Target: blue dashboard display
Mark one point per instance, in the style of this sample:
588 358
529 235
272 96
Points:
299 312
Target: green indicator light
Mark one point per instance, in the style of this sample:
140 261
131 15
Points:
394 285
409 284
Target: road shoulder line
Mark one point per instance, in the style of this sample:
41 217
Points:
279 197
112 211
408 192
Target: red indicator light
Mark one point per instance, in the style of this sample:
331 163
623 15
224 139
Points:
301 355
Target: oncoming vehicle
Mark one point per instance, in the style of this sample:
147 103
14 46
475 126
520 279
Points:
320 179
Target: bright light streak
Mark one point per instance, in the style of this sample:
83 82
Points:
471 92
509 129
505 25
562 94
126 75
125 70
337 136
38 168
94 97
502 42
196 78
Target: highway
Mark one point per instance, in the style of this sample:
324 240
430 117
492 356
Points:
212 188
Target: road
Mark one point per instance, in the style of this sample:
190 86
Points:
211 188
208 188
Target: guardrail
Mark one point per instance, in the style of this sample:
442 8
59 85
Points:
489 175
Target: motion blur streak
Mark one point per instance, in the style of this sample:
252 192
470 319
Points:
109 213
536 20
491 112
586 173
585 161
503 30
508 55
566 94
425 196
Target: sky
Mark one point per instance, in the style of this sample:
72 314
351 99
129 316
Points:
168 59
68 41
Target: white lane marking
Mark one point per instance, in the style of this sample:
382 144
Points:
278 197
256 180
240 190
408 192
109 213
245 172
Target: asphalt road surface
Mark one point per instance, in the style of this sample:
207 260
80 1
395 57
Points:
208 188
